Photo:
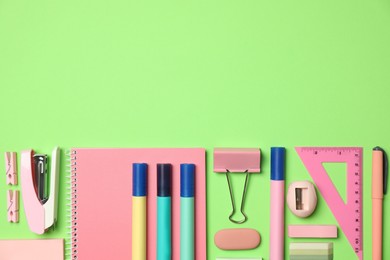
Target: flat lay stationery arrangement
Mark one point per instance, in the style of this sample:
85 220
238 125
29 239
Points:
194 130
156 207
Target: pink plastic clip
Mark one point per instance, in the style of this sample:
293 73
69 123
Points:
13 206
10 168
237 159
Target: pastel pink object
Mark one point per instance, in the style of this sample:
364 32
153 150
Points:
42 249
101 200
11 168
34 210
13 206
377 204
237 239
312 231
237 159
349 214
277 220
307 202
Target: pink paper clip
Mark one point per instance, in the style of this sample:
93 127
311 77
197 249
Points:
242 160
13 206
10 168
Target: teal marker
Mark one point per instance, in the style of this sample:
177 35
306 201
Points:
187 192
164 223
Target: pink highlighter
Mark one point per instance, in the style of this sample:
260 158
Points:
277 203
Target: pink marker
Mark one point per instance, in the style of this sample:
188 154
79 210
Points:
277 203
379 187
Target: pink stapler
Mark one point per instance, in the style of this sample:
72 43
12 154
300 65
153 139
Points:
39 191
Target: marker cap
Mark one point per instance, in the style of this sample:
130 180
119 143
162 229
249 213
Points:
164 179
277 163
187 180
140 171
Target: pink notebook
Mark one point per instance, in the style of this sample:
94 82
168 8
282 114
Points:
102 194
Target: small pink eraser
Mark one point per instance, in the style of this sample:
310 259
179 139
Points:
312 231
237 239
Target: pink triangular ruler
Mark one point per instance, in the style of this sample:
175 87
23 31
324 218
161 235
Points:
349 215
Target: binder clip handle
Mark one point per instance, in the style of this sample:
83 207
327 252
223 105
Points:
242 199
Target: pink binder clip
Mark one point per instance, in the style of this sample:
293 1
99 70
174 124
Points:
10 168
242 160
13 206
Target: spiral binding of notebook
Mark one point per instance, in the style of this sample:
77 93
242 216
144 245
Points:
70 245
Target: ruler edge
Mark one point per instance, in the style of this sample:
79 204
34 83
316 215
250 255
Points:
358 149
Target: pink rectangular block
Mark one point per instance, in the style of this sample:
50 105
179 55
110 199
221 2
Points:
42 249
312 231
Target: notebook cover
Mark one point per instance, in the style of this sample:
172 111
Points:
102 195
42 249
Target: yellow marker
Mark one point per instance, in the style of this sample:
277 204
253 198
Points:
139 211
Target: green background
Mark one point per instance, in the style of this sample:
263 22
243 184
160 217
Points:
125 73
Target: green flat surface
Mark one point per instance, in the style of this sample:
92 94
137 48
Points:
199 74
